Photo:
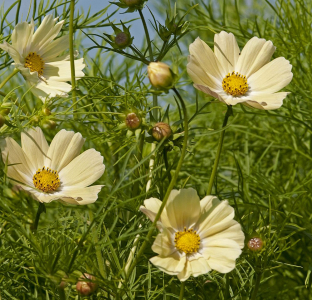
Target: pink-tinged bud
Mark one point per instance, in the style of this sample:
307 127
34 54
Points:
160 75
132 2
255 244
86 288
123 40
161 131
2 120
132 121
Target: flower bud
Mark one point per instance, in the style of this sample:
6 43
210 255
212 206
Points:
255 244
161 131
49 124
46 111
86 288
132 121
160 75
2 120
132 2
123 40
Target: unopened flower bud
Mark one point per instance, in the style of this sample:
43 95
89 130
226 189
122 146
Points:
160 75
86 288
2 120
132 2
46 111
49 124
132 121
255 244
161 131
123 40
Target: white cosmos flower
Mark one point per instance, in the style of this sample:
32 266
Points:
195 236
246 77
56 171
36 55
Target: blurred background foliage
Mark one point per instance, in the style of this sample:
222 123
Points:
264 172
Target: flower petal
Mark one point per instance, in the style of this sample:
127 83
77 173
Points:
256 53
221 254
35 146
81 195
65 146
172 264
22 36
226 50
266 101
83 170
183 208
272 77
163 244
55 48
12 52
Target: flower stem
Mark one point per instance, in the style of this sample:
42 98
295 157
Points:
71 52
228 113
8 78
41 209
170 187
182 290
257 285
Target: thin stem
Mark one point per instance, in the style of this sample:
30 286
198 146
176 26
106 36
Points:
62 294
139 157
257 285
8 78
41 209
166 163
229 113
71 52
182 288
170 187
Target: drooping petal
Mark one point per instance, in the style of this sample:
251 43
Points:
266 101
172 264
82 170
12 52
272 77
256 53
65 146
221 254
183 208
35 146
226 50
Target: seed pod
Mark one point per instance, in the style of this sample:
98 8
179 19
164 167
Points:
161 131
86 288
132 121
160 75
255 244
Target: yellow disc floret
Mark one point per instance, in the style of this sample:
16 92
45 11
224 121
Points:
235 84
46 180
34 63
187 241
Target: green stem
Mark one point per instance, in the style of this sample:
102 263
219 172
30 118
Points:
170 187
257 285
229 113
166 163
182 290
98 250
41 209
71 52
62 294
139 157
8 78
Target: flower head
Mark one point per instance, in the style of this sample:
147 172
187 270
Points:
195 236
160 75
37 56
56 171
246 77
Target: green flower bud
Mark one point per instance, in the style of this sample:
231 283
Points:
46 111
49 124
255 244
161 131
160 75
123 40
132 121
85 286
132 2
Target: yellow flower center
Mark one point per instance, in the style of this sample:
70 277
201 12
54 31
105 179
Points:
235 84
187 241
34 63
46 180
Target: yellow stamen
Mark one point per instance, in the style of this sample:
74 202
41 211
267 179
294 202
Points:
34 63
187 241
235 84
46 180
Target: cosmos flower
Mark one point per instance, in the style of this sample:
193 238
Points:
247 77
37 56
55 172
195 236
